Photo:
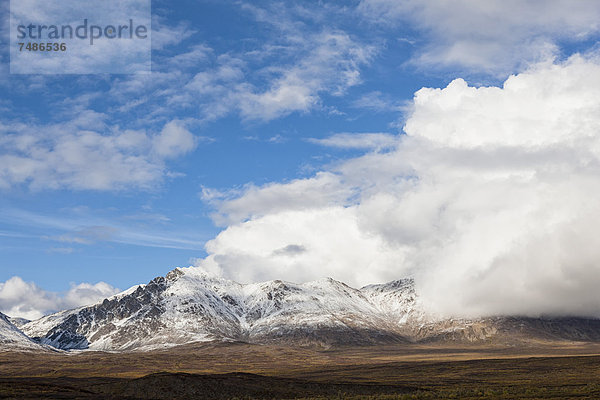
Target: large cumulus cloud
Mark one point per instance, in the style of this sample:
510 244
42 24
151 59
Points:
488 198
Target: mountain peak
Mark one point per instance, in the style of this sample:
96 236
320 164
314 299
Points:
12 338
402 284
174 274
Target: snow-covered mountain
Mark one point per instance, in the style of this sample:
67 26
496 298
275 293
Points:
11 337
189 305
17 321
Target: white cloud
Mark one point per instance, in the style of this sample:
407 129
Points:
377 101
296 245
88 235
164 35
197 54
174 140
27 300
323 190
87 227
86 293
86 154
311 64
494 36
61 250
290 70
332 65
488 200
365 141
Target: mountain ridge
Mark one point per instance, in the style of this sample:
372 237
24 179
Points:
12 338
189 305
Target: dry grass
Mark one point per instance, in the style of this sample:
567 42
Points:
546 370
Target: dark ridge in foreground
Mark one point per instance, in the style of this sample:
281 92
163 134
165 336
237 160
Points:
190 386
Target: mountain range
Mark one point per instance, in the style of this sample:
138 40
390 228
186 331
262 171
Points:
188 305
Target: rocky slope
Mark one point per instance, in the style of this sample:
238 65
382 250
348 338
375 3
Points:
11 338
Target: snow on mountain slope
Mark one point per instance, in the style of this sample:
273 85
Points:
189 305
279 310
397 300
45 330
11 338
18 321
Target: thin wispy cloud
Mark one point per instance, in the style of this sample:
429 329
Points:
360 141
489 37
89 230
377 101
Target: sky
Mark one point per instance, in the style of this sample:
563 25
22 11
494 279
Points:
369 140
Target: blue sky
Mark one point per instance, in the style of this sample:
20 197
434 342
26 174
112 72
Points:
251 108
